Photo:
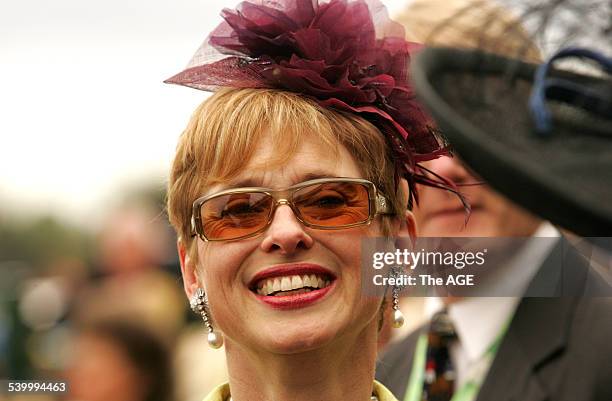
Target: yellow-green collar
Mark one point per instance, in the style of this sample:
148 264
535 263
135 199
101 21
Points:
222 393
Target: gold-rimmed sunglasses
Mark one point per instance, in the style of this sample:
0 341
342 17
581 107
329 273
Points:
324 203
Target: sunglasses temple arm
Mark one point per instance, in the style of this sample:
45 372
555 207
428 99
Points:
382 205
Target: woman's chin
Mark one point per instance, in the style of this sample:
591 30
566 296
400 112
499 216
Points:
318 330
292 346
299 335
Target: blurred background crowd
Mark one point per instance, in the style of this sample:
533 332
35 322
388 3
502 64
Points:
104 311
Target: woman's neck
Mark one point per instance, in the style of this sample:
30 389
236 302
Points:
342 370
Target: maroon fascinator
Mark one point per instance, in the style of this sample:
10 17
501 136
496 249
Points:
345 54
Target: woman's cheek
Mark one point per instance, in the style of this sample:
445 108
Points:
219 259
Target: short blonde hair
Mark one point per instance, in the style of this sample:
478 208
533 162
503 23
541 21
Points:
473 24
225 130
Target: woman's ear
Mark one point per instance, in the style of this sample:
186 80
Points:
407 229
188 269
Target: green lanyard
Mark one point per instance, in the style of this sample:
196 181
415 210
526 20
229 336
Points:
467 392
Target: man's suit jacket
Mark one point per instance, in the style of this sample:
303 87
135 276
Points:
555 349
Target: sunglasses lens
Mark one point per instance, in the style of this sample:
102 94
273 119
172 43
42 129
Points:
333 204
235 215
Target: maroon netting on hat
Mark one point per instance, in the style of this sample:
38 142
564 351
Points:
346 54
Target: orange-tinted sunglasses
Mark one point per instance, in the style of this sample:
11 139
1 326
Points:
324 203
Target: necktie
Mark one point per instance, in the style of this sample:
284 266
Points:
438 384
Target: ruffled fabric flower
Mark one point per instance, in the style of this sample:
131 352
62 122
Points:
347 55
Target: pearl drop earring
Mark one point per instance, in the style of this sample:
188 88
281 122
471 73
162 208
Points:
199 304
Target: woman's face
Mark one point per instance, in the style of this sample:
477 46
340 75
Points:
228 270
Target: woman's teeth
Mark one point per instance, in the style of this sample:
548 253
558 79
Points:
280 286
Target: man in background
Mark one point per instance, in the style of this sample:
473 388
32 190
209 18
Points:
494 348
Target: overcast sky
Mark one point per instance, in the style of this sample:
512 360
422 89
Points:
83 111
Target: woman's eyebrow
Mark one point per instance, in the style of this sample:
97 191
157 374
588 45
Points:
313 175
243 182
258 181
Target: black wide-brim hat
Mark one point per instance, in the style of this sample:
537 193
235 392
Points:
481 103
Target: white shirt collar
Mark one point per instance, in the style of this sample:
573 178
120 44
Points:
479 320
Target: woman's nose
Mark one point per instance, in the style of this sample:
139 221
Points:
285 234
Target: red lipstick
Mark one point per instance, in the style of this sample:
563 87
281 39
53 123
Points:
297 300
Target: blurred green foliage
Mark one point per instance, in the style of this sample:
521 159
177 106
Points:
40 241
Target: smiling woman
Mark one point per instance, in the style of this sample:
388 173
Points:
299 154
